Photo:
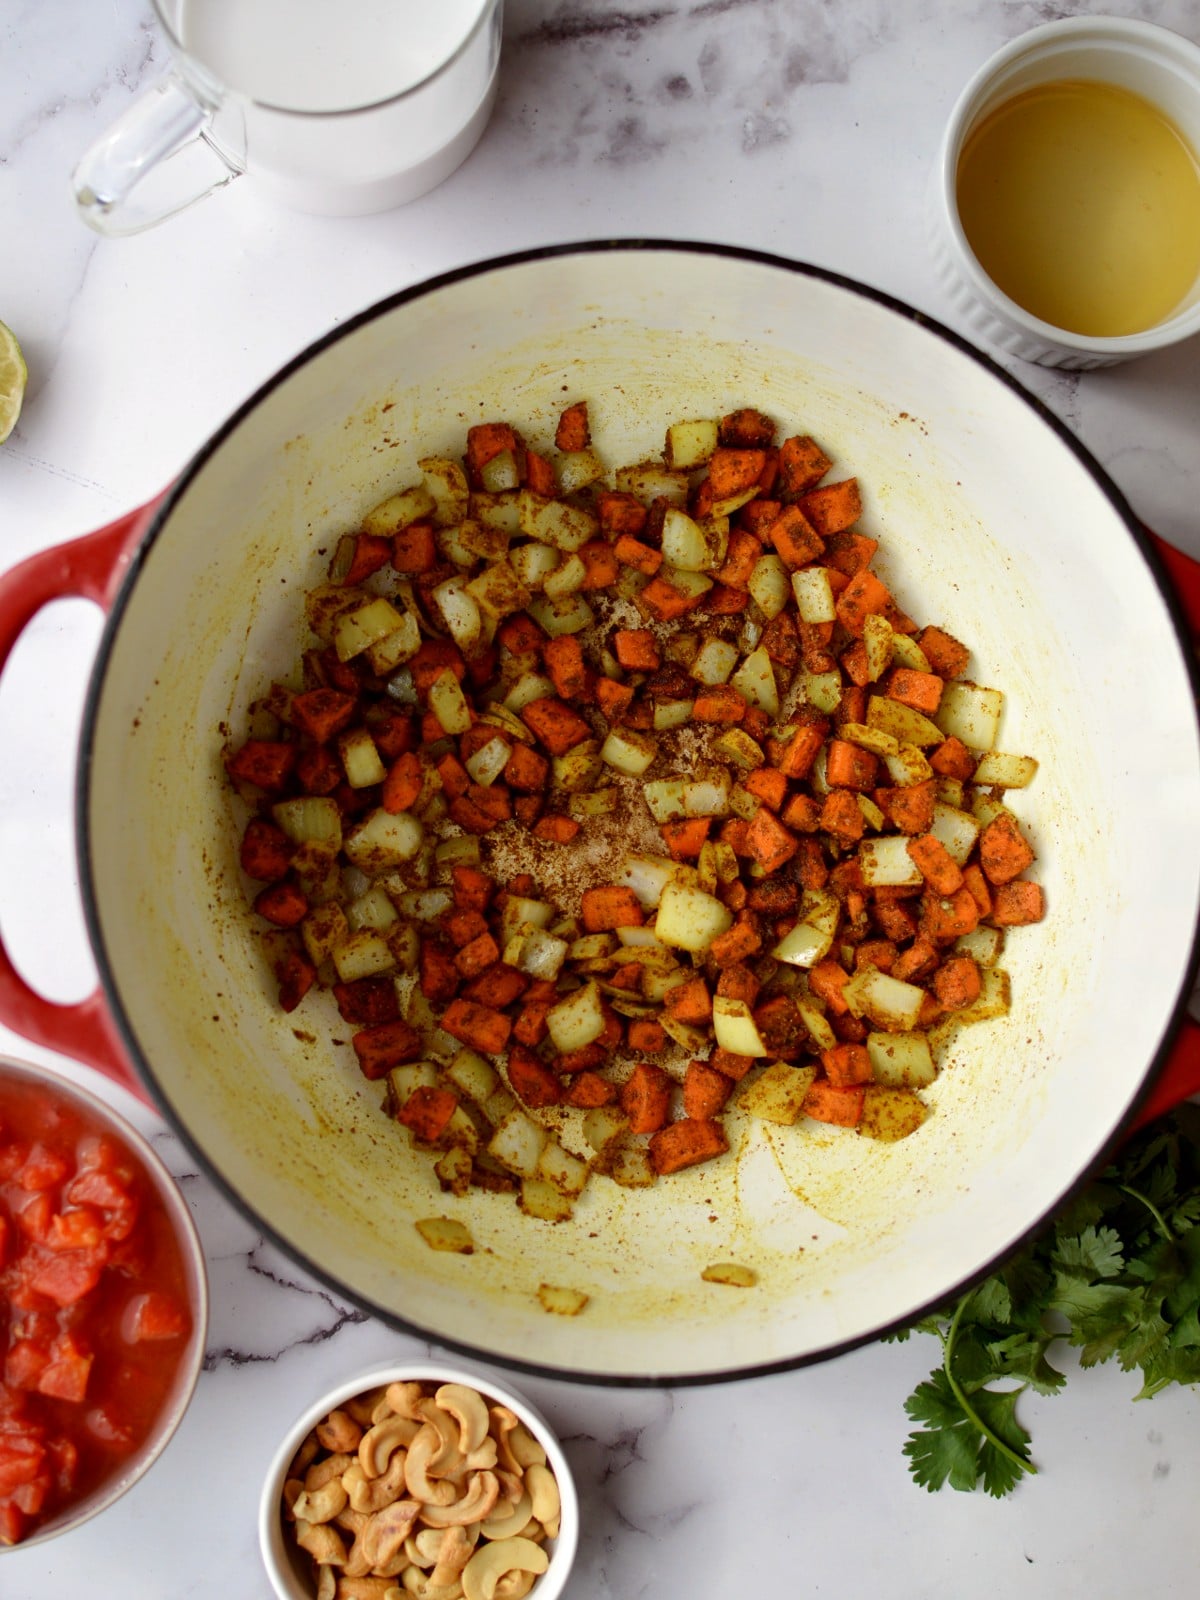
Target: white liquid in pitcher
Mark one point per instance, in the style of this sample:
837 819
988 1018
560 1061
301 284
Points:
324 55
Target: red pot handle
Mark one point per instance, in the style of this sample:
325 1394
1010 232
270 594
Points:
90 568
1180 1078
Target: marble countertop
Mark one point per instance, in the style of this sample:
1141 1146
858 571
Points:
804 127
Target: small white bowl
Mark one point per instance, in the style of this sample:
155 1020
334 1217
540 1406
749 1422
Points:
288 1566
1148 60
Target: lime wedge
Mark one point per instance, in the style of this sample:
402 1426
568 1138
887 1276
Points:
13 375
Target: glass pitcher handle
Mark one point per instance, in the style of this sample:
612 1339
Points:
152 162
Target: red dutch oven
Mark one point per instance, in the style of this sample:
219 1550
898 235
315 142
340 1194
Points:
995 522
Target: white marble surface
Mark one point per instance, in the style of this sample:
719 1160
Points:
800 126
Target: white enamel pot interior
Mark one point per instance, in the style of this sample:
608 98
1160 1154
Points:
994 523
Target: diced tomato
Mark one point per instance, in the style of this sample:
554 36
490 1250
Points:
21 1460
42 1169
153 1315
67 1276
25 1362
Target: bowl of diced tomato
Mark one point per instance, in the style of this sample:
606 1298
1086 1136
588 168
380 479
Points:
103 1305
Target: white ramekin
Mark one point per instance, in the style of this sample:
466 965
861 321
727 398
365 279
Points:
285 1564
1149 60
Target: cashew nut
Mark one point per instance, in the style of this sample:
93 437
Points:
455 1551
505 1523
363 1406
525 1447
482 1493
543 1492
447 1461
417 1584
372 1494
306 1454
339 1431
323 1504
424 1546
380 1442
468 1409
482 1459
503 1423
321 1471
326 1583
385 1532
365 1588
293 1488
512 1485
403 1398
514 1585
323 1543
482 1574
423 1450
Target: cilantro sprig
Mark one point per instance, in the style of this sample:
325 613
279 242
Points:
1117 1274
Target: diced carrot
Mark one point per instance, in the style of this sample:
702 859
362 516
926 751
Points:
856 664
733 833
284 904
367 1001
690 1002
746 429
530 1026
780 1027
472 889
636 650
613 698
895 920
910 808
266 763
918 961
643 557
486 440
731 471
431 660
705 1091
920 690
735 944
945 917
956 983
437 975
741 553
722 601
1004 851
1017 903
574 430
802 465
773 898
664 602
809 866
730 1065
827 979
556 828
848 552
266 851
482 808
527 808
456 780
295 975
479 953
496 986
878 953
738 982
393 730
717 702
566 667
974 880
862 597
834 506
841 815
849 766
767 784
318 770
945 654
686 838
952 759
526 769
587 1090
846 1065
768 842
539 475
610 906
802 750
520 634
531 1080
414 549
825 1102
602 568
754 516
427 1112
645 1097
557 727
646 1036
620 512
387 1045
937 866
370 554
628 977
794 537
479 1026
402 787
686 1144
